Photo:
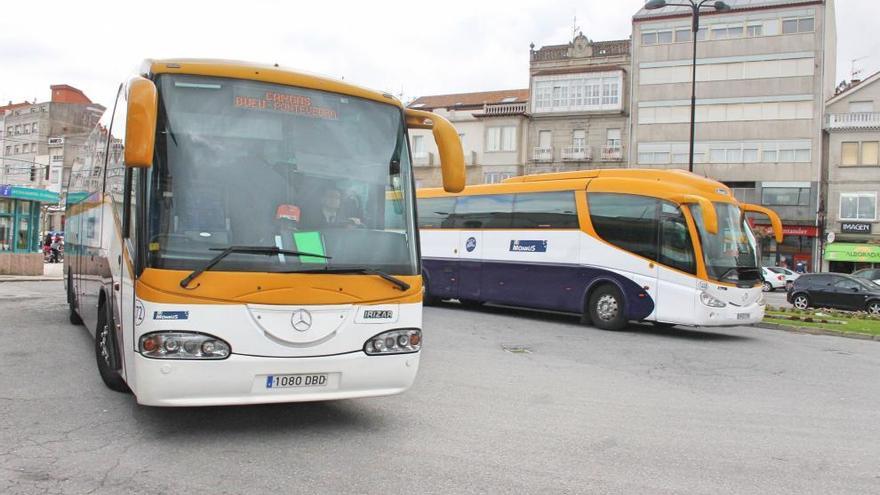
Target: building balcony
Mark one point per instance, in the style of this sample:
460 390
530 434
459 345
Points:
856 120
540 154
577 154
503 109
611 153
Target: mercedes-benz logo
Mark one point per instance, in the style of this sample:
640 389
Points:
301 320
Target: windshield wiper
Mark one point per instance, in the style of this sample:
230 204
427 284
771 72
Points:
366 271
264 250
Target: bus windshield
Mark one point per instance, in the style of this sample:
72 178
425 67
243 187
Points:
730 255
246 163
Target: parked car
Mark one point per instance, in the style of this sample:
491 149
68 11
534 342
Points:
835 290
772 280
872 274
789 275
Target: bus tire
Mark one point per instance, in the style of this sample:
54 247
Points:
106 353
72 316
606 308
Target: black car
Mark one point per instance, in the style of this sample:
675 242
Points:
835 290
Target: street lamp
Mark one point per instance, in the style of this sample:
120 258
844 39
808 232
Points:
695 6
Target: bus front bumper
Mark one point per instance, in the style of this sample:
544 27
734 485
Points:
729 315
243 379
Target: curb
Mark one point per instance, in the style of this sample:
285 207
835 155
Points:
817 331
32 279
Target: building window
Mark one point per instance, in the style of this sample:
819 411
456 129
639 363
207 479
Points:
17 129
34 127
17 149
664 37
802 25
654 157
501 138
600 91
649 38
9 150
869 153
419 147
495 177
858 206
854 153
785 196
612 139
861 106
754 30
682 35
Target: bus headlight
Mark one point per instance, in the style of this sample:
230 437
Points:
182 345
710 301
399 341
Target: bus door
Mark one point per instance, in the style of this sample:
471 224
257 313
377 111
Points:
678 267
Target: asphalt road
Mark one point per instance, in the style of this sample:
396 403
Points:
737 410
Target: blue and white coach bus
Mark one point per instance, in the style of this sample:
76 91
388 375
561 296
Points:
665 246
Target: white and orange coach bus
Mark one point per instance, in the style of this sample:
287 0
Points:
230 238
665 246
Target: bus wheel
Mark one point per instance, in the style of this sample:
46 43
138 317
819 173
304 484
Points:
606 308
106 353
73 316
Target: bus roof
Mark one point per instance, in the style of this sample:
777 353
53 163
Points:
650 182
261 72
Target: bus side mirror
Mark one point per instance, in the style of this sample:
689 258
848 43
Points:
710 216
448 144
774 218
140 125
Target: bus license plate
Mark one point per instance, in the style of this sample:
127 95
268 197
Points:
742 316
297 381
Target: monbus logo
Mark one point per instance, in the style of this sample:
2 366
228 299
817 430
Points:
529 246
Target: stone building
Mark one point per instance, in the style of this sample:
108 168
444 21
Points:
852 134
764 71
579 105
39 142
492 127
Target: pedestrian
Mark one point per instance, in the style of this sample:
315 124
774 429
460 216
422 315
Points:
56 247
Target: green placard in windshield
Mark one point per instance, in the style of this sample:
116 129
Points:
309 242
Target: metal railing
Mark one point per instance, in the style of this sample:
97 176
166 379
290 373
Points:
611 153
540 154
576 153
855 120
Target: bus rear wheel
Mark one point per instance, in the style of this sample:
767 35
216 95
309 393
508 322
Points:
106 353
606 308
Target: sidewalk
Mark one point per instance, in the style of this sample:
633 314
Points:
51 271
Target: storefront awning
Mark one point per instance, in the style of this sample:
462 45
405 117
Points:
26 193
844 251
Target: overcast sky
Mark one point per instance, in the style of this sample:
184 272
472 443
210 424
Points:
414 47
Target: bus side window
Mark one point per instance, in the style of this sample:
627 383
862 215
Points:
676 248
436 213
545 210
627 221
490 211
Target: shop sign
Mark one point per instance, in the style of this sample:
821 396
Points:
855 227
41 195
843 251
804 230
